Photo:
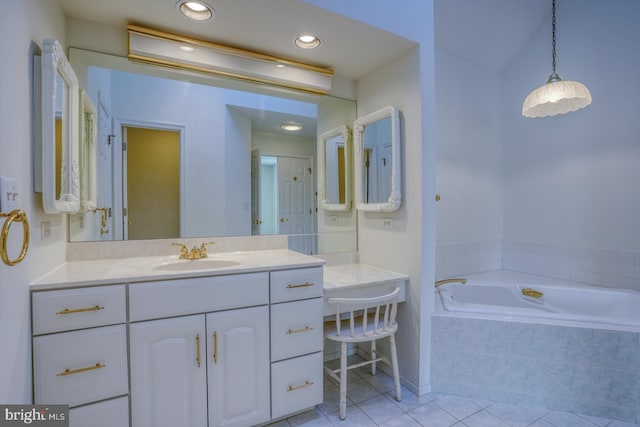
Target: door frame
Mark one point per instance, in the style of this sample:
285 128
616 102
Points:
119 166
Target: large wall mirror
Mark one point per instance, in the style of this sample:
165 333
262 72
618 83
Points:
179 154
59 181
334 169
377 161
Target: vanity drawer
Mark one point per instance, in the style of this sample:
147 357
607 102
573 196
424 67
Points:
296 384
291 285
110 413
68 309
80 367
155 300
296 328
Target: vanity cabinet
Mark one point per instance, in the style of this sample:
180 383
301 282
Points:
233 350
80 351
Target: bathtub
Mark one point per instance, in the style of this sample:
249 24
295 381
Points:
500 293
575 349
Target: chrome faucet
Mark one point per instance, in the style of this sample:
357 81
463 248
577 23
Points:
193 253
445 281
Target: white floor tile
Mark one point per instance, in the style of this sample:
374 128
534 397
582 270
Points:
484 419
403 420
433 416
314 417
380 409
459 407
566 419
515 415
354 418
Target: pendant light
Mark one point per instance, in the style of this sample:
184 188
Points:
557 96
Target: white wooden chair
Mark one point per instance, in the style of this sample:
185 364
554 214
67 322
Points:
368 320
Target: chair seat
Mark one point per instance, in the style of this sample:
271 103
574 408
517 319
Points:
373 331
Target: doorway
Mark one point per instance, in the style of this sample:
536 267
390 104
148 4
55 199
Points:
150 183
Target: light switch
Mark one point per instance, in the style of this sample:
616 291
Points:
8 194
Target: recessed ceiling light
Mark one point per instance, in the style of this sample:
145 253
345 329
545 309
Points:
281 66
307 41
196 10
187 48
291 126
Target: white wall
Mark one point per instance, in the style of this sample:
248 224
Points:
24 24
469 170
572 193
408 84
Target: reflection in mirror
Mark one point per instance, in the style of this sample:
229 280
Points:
59 183
334 172
225 139
88 155
377 146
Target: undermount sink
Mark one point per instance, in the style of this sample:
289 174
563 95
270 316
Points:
201 264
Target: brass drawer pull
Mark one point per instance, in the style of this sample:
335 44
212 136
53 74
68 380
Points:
80 310
198 349
77 371
302 285
301 386
295 331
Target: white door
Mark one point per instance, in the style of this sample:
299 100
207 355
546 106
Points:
168 373
104 172
296 210
238 367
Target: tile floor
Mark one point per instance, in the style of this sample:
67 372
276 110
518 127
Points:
371 402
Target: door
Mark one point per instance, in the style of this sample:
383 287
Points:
168 373
296 203
104 173
238 367
151 183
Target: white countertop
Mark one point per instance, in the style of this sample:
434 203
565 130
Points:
111 271
341 277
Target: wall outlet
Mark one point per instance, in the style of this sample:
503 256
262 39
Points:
333 219
387 223
8 194
45 230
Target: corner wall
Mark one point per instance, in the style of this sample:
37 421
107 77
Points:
572 193
25 24
469 169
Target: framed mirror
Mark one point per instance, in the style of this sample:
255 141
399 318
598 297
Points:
334 171
88 153
377 161
217 125
59 95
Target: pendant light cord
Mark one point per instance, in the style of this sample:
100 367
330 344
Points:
553 35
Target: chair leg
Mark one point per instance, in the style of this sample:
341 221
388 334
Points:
343 380
394 366
373 357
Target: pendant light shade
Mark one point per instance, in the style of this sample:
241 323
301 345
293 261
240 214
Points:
557 96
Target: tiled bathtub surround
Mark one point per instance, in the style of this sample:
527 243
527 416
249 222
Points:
454 259
602 267
588 371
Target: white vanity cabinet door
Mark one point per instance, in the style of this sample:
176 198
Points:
296 328
78 367
238 367
69 309
296 384
109 413
300 283
168 372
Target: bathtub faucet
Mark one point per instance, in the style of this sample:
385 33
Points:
445 281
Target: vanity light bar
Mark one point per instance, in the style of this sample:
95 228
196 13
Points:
161 48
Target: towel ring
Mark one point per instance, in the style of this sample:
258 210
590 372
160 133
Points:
17 215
